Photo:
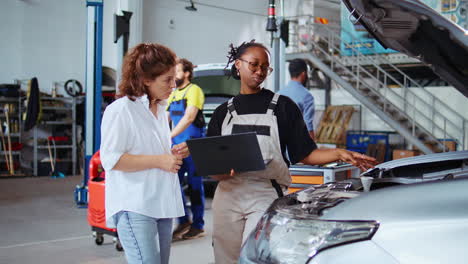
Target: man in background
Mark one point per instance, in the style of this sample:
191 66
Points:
297 91
185 106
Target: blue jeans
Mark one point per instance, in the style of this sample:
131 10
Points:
144 239
197 194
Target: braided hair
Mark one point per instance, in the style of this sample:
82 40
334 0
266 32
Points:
235 53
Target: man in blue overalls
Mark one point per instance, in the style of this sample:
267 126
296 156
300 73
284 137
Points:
185 109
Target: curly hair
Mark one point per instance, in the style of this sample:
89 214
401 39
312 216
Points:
187 66
235 53
144 62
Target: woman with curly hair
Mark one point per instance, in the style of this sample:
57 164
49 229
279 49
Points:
142 186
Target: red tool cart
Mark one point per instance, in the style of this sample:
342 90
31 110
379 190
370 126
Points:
96 203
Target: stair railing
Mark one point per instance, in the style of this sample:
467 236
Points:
326 40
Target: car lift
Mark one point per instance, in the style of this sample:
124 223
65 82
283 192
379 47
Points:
94 81
93 92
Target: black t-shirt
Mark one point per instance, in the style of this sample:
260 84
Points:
292 130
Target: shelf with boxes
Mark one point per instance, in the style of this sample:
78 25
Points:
55 146
10 135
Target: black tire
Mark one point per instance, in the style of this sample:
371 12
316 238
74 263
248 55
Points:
73 87
99 239
118 246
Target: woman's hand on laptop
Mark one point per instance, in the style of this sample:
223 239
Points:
222 177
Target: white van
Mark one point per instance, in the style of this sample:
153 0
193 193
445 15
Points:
216 84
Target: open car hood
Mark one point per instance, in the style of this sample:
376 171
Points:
423 159
436 166
413 28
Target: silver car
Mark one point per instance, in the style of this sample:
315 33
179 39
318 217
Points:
417 208
423 220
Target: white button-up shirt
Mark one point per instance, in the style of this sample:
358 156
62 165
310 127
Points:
130 127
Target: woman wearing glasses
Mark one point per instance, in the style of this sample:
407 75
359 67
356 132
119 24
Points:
241 198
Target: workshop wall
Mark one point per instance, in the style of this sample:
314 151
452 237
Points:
11 13
203 36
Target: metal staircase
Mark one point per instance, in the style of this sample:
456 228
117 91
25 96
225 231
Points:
419 116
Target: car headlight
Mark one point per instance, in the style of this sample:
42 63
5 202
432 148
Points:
285 237
279 238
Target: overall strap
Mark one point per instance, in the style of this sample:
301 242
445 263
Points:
186 90
183 96
273 103
277 187
231 108
173 97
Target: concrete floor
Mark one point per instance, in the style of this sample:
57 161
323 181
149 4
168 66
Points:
40 223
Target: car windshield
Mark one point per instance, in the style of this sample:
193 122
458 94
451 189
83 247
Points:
219 85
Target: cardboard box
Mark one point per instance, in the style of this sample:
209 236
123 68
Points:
451 145
403 153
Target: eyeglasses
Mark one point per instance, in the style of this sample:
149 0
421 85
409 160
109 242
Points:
253 66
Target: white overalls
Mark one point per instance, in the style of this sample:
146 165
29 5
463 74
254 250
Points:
240 202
